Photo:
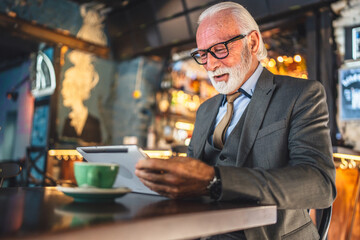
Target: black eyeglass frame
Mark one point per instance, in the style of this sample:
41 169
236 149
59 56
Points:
238 37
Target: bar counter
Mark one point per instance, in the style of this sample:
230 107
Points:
46 213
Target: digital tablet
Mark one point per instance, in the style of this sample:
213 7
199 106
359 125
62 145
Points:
124 155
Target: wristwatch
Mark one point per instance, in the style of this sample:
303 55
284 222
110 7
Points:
214 186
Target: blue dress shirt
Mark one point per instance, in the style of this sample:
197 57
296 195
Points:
240 103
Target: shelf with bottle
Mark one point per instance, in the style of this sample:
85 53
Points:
183 94
185 86
172 130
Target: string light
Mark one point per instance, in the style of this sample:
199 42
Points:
271 63
184 126
136 94
297 58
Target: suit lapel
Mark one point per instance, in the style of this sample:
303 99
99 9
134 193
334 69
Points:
255 114
206 123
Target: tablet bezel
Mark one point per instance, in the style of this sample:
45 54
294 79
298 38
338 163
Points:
124 155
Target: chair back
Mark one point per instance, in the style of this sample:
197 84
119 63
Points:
324 217
8 170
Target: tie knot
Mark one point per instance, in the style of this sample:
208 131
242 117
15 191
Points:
231 98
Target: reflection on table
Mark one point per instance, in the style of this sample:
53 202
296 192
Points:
48 213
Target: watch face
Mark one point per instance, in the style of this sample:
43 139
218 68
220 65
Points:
216 190
215 186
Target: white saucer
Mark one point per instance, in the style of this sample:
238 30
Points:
93 194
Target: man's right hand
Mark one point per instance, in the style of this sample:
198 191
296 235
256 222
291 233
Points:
177 177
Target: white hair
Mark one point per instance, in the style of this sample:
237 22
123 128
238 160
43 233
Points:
243 18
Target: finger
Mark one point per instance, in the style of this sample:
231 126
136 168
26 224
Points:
151 170
180 166
159 177
173 192
149 175
155 164
159 188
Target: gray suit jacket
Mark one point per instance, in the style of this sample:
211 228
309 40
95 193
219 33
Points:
284 154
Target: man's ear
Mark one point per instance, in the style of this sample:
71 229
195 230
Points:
253 42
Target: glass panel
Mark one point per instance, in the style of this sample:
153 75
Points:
174 30
167 8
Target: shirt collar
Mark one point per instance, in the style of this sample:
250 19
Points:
249 85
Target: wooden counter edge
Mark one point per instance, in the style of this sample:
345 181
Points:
182 226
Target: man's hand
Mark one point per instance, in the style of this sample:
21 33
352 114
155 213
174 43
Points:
177 177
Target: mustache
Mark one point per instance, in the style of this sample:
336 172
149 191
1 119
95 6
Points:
219 71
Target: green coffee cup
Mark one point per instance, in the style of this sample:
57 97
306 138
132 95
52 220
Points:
99 175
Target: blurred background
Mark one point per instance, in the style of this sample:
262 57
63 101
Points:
108 72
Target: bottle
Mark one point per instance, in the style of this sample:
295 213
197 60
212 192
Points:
150 144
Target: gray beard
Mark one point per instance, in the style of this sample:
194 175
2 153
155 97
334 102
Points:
236 74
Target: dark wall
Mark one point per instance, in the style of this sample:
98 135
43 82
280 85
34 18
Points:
148 25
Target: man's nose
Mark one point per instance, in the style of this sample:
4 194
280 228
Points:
212 63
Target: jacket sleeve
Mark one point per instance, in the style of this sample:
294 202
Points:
308 179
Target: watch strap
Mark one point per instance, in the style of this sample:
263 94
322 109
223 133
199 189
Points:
215 187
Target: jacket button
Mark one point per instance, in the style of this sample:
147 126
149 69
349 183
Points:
222 157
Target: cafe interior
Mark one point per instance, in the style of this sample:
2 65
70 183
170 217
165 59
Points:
78 73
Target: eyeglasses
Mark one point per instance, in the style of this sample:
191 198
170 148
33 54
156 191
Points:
218 51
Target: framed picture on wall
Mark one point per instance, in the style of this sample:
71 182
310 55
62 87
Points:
349 95
355 43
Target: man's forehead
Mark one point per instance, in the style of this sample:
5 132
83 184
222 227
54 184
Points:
216 29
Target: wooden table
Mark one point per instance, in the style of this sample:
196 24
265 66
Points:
45 213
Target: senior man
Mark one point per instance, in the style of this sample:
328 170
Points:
264 138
